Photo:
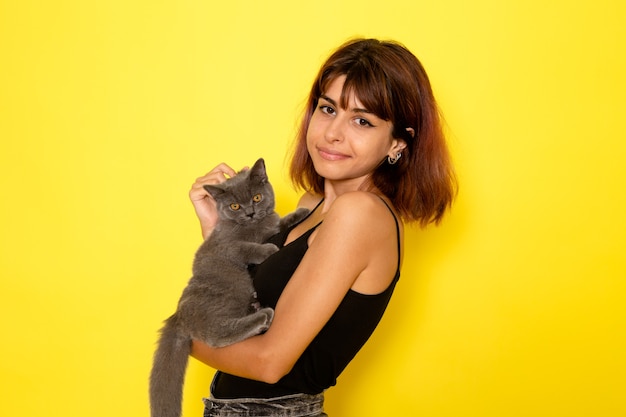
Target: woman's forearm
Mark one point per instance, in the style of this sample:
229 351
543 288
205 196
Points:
247 359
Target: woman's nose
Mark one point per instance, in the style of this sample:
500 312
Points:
335 130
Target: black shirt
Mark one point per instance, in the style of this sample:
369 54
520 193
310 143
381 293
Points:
332 349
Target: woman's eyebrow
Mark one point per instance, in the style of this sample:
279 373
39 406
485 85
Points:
328 99
353 110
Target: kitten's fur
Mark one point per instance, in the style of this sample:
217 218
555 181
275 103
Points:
218 306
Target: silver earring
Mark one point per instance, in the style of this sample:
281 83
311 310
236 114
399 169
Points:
392 160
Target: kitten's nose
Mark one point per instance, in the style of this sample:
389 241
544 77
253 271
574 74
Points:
250 212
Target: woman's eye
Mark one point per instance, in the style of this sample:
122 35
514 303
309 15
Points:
257 197
327 109
363 122
235 206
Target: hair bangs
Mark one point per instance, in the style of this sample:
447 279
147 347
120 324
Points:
368 85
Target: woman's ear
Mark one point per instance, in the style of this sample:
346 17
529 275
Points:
397 146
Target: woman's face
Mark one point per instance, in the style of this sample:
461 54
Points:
346 145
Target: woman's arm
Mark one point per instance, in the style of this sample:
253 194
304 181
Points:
346 249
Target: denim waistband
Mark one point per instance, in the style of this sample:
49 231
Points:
297 405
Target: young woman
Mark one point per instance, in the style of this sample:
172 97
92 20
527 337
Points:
370 155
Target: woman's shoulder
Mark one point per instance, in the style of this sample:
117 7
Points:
362 208
354 210
363 226
309 200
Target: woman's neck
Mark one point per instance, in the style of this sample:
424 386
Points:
334 189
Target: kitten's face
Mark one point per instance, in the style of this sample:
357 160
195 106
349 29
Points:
245 206
245 198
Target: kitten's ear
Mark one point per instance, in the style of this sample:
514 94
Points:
214 190
258 170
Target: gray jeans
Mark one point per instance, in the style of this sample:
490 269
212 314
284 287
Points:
297 405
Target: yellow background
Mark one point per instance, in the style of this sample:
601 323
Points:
110 109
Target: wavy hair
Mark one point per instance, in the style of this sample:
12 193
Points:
390 82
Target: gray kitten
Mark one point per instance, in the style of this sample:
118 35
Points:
218 306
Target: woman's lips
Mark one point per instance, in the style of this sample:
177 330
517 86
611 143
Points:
331 155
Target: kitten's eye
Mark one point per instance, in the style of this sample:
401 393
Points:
235 206
257 198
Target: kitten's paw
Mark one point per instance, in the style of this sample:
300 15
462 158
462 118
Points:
300 213
261 252
268 314
269 249
255 306
294 217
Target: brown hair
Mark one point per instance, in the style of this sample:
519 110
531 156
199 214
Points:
390 82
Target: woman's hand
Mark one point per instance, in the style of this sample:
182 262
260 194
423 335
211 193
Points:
203 203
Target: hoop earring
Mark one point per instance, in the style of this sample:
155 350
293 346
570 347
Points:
392 160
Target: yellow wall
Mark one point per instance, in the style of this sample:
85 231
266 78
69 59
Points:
110 109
